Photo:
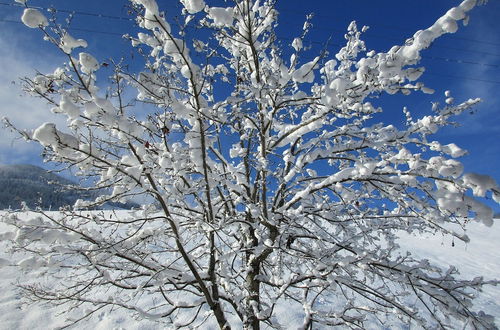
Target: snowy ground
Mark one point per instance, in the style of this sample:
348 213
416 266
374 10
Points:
481 257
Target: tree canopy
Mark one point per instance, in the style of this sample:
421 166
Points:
271 182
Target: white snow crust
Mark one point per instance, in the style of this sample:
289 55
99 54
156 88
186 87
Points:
88 63
33 18
68 107
68 43
221 16
479 257
193 6
48 135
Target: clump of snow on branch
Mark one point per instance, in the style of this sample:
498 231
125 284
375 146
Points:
68 43
88 63
33 18
48 135
193 6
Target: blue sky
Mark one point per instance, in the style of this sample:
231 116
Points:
467 63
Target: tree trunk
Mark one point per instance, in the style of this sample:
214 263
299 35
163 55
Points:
219 315
253 287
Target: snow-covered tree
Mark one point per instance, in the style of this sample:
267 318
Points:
271 185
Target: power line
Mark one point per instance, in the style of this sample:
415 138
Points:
284 38
390 27
67 11
71 28
439 58
463 77
398 39
479 52
284 10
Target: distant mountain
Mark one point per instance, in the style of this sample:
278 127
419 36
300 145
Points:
38 187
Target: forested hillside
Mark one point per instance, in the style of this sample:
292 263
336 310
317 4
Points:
37 187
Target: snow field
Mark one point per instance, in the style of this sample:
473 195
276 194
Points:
479 257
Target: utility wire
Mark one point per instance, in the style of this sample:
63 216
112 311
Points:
463 77
398 39
496 66
71 28
284 10
438 58
388 27
67 11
